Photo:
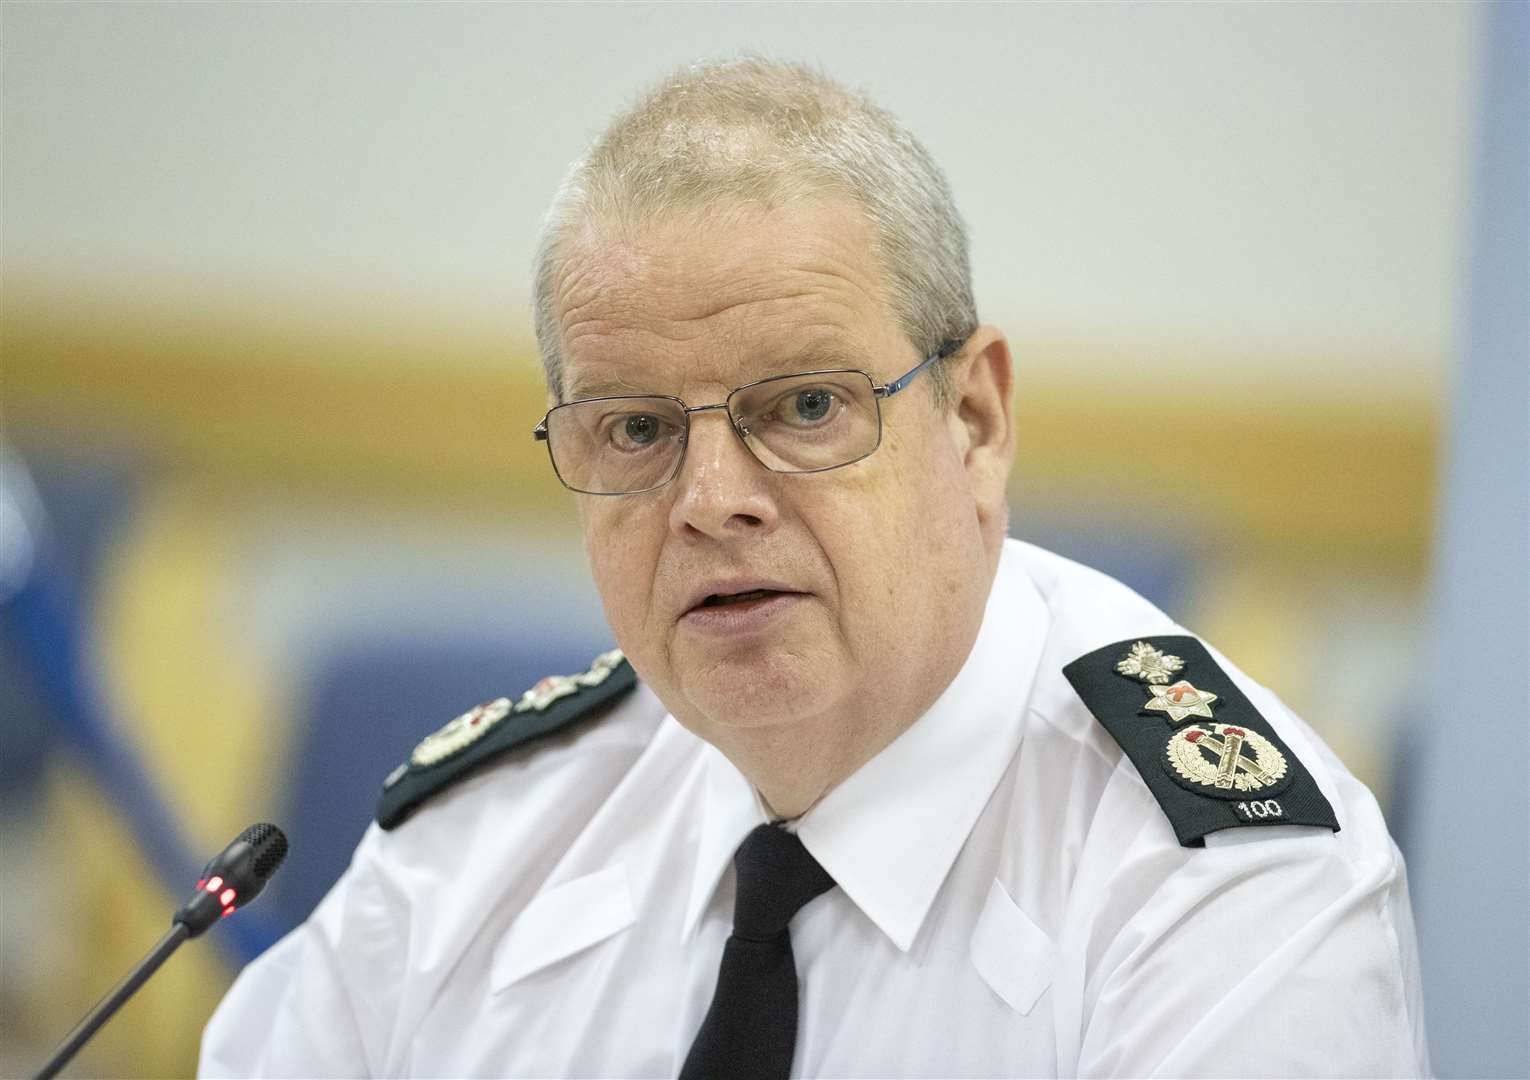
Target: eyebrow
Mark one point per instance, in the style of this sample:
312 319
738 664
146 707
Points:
613 387
818 358
812 358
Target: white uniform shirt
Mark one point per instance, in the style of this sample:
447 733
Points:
1012 902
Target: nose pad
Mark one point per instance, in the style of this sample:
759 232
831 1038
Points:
741 430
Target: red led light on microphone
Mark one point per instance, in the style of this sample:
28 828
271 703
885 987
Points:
226 896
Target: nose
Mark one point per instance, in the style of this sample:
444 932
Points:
722 492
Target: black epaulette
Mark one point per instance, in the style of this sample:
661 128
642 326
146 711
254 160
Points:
1208 757
485 733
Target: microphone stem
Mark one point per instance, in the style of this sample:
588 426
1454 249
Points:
113 1001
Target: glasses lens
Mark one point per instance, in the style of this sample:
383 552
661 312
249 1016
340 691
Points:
611 446
804 423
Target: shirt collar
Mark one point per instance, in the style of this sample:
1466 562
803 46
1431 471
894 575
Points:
730 810
889 833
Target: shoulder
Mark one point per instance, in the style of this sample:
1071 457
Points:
1123 689
484 823
564 726
479 832
456 856
1125 828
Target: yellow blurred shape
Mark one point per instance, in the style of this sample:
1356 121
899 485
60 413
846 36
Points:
209 723
1270 460
114 910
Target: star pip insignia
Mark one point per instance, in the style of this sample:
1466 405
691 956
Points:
1148 664
1180 701
553 687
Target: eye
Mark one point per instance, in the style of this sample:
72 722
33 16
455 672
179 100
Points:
642 429
811 405
805 407
631 432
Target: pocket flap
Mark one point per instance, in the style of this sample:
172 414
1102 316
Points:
560 922
1011 953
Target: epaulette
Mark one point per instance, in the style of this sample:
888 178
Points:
485 733
1208 757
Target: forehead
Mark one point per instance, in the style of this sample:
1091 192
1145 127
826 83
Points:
721 296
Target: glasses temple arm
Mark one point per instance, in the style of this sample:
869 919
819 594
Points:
902 381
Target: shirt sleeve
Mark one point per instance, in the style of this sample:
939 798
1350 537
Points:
316 1004
1270 952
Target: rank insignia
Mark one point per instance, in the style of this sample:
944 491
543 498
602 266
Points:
553 687
461 733
487 732
1226 757
1148 664
1215 773
1181 701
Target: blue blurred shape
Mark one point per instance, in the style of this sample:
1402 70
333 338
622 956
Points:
1468 830
44 615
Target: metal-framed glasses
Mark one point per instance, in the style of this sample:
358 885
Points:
809 422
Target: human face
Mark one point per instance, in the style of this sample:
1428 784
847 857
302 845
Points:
854 592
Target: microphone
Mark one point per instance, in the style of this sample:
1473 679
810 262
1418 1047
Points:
231 879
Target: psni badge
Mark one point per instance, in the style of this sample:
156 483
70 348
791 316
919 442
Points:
461 733
1226 758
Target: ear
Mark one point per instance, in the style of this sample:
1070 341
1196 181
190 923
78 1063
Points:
984 419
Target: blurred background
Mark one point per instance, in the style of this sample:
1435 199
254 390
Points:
272 511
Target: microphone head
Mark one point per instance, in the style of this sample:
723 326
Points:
234 876
269 846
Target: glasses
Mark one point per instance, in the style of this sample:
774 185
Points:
809 422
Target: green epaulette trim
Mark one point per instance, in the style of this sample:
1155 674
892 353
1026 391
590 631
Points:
485 733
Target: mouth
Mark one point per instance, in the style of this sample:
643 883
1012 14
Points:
731 600
728 599
738 614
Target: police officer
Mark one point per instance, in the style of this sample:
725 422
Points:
868 789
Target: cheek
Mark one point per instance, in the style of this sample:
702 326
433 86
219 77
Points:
876 532
920 518
622 545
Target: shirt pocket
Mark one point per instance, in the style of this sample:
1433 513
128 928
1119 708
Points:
1011 953
560 922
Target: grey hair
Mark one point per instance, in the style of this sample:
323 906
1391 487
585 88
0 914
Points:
751 130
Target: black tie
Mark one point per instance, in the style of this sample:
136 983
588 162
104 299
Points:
750 1030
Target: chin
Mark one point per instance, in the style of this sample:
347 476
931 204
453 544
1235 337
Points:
758 689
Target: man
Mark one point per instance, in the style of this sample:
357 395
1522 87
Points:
1027 825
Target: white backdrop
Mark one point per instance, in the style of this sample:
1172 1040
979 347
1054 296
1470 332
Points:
1288 176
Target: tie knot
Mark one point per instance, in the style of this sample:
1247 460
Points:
776 876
